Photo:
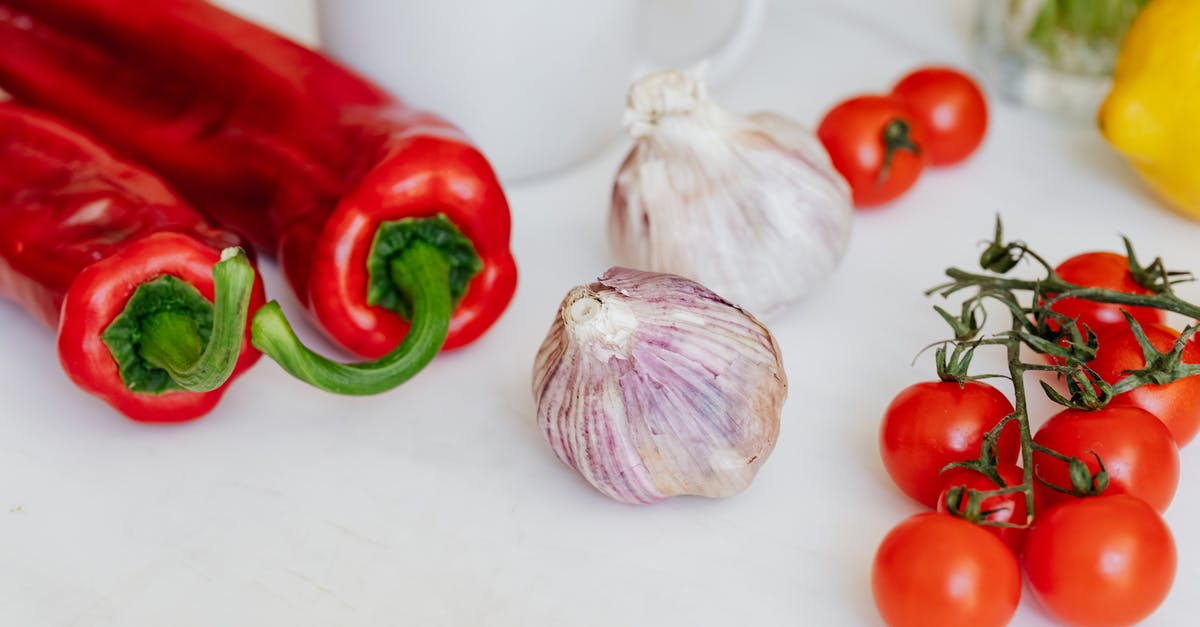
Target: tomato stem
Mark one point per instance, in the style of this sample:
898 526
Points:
1052 334
1017 371
896 136
1063 289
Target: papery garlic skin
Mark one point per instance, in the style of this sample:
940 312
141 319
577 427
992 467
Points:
651 386
750 206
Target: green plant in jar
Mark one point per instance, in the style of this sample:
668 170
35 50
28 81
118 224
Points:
1055 55
1078 35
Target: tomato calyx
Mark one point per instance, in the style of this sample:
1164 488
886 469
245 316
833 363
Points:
896 136
1087 390
1154 277
1000 256
967 504
954 367
966 325
1161 368
1062 338
1083 481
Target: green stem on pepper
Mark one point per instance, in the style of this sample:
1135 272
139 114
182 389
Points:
423 273
181 341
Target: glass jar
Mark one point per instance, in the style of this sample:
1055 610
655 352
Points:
1055 55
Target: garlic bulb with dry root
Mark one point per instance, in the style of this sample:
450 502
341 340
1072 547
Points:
650 385
750 206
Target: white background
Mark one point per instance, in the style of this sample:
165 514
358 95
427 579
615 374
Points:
439 503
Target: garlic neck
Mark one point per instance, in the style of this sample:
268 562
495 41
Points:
661 95
672 111
604 326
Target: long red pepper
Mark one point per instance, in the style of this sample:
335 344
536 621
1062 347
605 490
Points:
126 271
365 201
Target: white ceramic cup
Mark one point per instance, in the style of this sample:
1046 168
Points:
538 84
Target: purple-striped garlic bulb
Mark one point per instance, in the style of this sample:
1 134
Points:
749 205
651 386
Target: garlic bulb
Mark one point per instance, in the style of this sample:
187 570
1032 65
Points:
650 386
749 206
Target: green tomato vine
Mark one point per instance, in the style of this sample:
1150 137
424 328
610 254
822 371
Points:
1035 325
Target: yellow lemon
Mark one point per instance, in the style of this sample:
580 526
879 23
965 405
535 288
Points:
1152 114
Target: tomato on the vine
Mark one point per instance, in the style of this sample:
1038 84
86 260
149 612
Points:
935 423
1137 449
1109 271
1006 508
935 569
1177 404
1105 560
950 107
875 144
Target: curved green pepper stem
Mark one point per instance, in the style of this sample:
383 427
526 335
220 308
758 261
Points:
423 273
170 339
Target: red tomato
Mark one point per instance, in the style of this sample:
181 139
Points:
951 108
859 134
1108 560
1108 271
1138 452
935 569
932 424
1009 508
1177 404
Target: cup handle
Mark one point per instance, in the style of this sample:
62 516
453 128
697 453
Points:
727 55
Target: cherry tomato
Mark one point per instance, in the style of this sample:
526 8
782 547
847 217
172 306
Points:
1137 449
1177 404
932 424
1009 508
951 108
1107 560
1109 271
935 569
875 144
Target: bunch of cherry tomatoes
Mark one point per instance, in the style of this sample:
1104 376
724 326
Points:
881 143
1096 550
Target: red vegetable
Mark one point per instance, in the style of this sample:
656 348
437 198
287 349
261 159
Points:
1139 454
107 254
875 143
1177 404
935 569
1109 271
309 161
951 109
929 425
1108 560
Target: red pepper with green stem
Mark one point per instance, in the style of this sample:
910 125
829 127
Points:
124 269
389 224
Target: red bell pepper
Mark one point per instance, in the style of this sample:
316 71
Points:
381 215
126 271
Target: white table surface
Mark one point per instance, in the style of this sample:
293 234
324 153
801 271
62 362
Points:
439 503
